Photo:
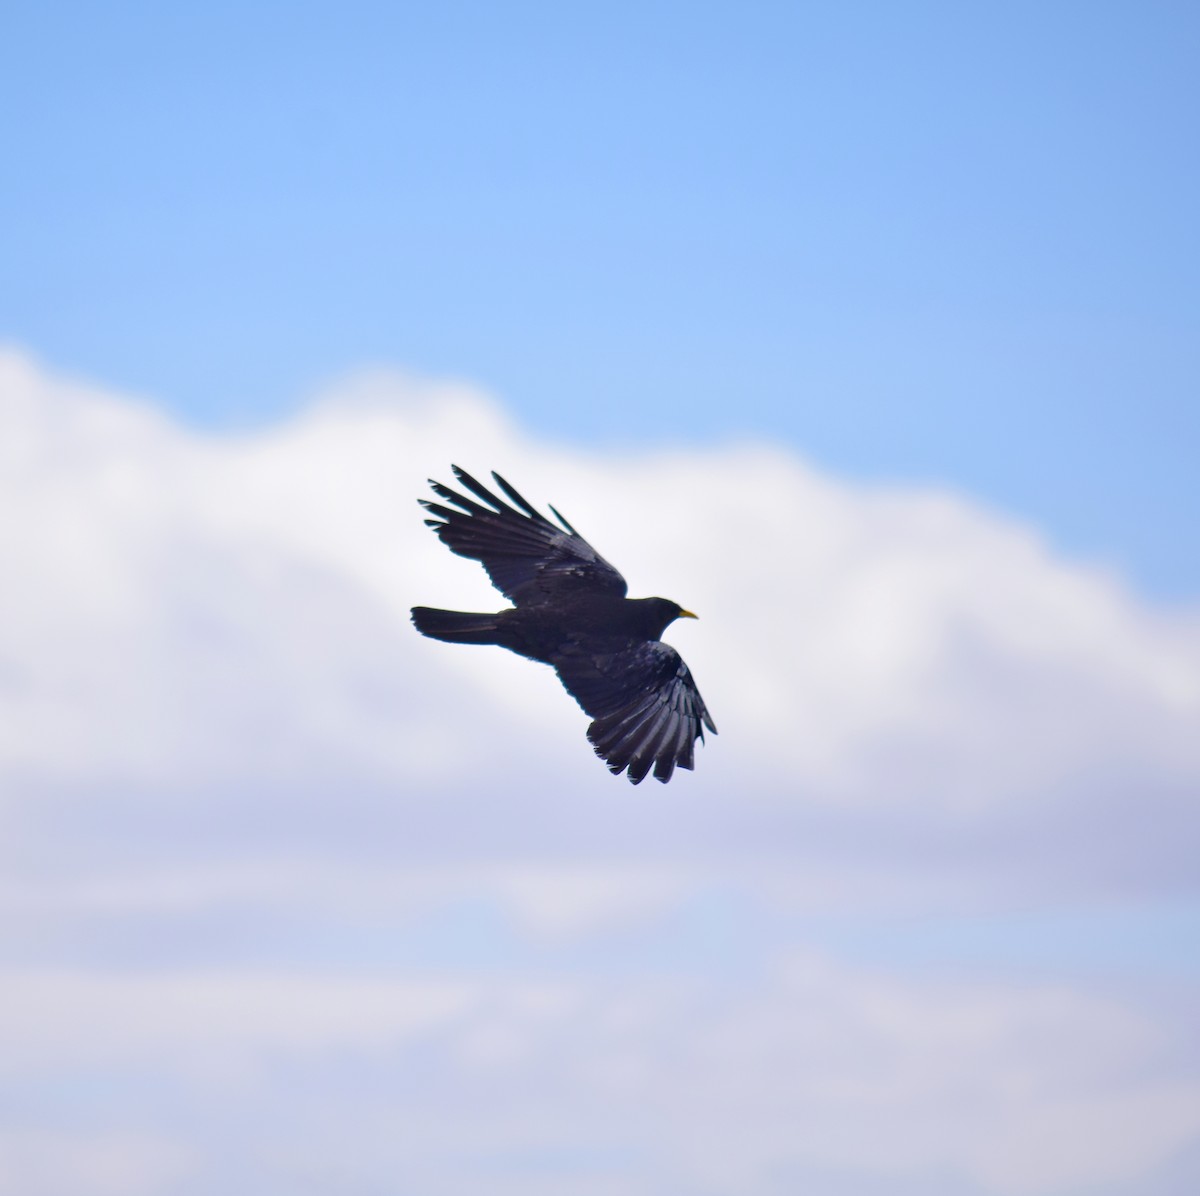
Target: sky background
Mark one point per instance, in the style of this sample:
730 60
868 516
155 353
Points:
918 241
866 331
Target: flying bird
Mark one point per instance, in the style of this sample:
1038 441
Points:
570 611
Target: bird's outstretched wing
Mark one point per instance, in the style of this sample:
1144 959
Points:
525 555
646 708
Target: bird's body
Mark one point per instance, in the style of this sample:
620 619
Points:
543 630
570 611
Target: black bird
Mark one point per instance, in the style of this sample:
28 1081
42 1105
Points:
570 611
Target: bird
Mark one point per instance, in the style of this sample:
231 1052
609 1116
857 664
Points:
570 611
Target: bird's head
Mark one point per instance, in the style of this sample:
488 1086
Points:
663 612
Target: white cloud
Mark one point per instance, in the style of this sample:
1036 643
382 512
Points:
719 1088
268 851
39 1162
186 611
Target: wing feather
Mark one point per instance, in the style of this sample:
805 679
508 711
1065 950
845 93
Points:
527 558
646 709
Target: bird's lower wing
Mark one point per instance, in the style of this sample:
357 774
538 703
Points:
646 710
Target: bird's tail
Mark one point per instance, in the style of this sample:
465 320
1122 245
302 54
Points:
455 626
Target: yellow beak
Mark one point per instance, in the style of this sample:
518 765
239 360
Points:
687 614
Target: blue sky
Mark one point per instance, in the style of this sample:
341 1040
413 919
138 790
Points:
926 242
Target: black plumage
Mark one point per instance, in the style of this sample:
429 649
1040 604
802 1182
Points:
570 611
